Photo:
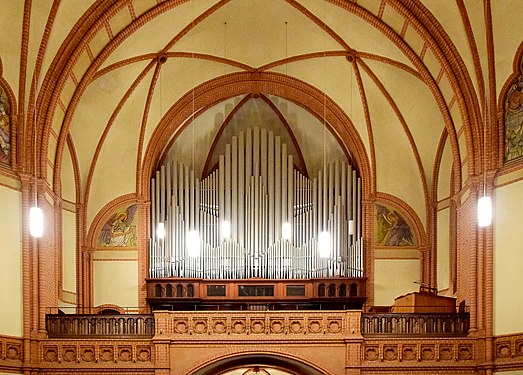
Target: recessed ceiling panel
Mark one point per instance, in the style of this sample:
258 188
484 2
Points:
359 34
447 13
417 106
255 34
67 15
154 36
115 169
96 107
506 40
397 172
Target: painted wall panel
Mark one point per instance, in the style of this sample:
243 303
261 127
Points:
11 264
445 171
394 278
443 249
68 251
508 258
116 282
67 177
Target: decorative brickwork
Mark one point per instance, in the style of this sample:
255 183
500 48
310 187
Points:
97 354
11 352
271 325
508 351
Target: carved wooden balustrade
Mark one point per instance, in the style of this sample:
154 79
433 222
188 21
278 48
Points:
415 324
143 325
88 325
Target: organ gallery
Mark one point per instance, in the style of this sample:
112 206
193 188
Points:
240 187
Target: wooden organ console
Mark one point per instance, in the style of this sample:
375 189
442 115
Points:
276 217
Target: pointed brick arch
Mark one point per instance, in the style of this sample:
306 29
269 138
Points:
288 88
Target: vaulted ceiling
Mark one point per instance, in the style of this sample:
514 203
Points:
395 86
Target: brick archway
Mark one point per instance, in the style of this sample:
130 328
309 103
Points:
282 362
288 88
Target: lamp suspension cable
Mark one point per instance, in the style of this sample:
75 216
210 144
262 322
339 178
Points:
36 215
193 236
160 226
192 127
225 226
324 242
351 226
286 228
225 47
485 202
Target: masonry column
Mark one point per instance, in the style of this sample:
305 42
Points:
161 341
143 211
87 279
354 342
367 223
28 312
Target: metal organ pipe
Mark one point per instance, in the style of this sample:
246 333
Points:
256 188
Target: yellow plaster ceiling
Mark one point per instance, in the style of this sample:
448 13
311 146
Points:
417 56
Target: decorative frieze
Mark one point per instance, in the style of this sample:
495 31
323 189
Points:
98 353
446 350
236 325
11 351
508 350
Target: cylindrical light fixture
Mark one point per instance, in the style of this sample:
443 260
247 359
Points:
225 230
324 244
484 211
36 222
160 230
351 227
286 231
485 202
193 243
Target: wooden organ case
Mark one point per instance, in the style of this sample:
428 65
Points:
291 242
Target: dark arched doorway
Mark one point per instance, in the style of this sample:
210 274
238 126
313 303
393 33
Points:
262 364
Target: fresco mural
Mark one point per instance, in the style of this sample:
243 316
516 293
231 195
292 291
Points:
391 228
120 229
514 120
5 128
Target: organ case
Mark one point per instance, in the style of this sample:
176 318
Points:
256 188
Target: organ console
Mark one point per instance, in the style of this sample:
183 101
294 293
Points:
256 191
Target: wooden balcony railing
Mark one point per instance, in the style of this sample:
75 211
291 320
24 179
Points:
88 325
415 324
143 325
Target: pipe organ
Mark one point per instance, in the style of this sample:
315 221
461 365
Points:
256 189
